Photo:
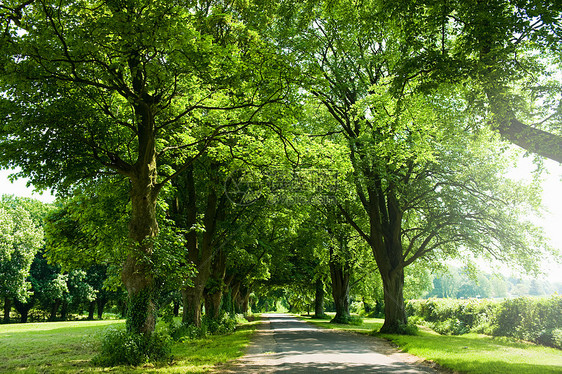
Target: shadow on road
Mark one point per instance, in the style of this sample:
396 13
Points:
284 344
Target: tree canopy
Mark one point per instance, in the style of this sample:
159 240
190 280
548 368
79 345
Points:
251 140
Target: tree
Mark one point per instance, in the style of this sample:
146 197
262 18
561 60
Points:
90 88
83 237
20 239
500 41
425 179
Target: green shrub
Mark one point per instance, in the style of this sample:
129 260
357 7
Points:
557 338
409 329
226 324
121 347
451 326
183 332
535 319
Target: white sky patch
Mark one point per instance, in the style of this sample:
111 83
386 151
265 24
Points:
552 201
19 188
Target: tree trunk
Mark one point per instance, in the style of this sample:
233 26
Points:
245 300
176 309
101 305
234 294
213 304
192 297
91 310
242 300
64 310
24 315
54 308
199 254
385 221
7 309
213 294
23 309
340 292
319 299
227 304
137 274
395 318
366 306
137 271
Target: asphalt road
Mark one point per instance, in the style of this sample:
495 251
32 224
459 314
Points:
285 344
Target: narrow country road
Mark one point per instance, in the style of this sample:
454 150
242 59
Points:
285 344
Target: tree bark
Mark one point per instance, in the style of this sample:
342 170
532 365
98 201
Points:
23 309
213 295
191 298
340 291
246 302
176 308
24 316
534 140
7 309
319 299
137 271
234 294
243 299
64 310
395 318
137 274
212 305
385 239
101 301
91 310
199 254
54 308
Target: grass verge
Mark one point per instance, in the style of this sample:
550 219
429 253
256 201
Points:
469 353
68 347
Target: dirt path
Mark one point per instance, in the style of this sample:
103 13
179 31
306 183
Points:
284 344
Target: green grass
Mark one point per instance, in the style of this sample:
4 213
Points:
470 353
68 347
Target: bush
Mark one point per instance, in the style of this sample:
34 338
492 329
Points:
557 338
183 332
121 347
226 324
451 326
535 319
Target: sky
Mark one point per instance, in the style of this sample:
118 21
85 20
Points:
552 200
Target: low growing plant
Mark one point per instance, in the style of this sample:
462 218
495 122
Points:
121 347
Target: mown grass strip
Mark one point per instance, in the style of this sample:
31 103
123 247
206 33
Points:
469 353
68 347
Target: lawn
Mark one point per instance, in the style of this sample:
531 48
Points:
68 347
470 353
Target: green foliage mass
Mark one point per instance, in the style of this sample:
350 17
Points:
120 347
532 319
21 237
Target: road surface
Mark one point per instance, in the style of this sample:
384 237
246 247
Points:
285 344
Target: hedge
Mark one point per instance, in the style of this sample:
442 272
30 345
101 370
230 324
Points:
534 319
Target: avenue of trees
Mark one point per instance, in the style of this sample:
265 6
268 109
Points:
205 150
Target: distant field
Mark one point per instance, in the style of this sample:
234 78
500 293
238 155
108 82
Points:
470 353
68 347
